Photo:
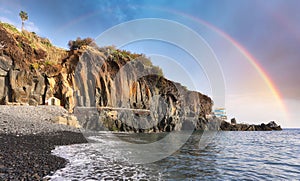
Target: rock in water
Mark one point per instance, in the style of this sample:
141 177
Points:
273 126
233 121
225 126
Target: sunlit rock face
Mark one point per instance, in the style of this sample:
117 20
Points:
26 63
133 96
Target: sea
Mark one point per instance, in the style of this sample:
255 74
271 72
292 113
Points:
208 155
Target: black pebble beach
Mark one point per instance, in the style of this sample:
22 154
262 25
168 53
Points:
28 157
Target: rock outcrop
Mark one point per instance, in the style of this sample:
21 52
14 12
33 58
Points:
225 126
117 89
27 65
132 96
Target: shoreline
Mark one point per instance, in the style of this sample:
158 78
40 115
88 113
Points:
27 137
28 157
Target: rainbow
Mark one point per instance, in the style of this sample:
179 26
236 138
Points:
252 60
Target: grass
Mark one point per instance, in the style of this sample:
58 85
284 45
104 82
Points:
34 66
10 27
33 46
20 45
49 63
48 44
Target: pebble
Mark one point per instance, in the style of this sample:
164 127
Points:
28 157
24 120
27 136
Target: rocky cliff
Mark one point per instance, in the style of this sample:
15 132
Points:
132 95
126 90
28 65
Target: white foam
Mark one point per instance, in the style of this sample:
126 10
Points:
104 159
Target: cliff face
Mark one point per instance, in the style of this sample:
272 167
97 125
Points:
27 65
130 94
145 100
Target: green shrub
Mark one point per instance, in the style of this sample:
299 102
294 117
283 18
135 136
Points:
48 63
46 41
145 61
157 70
78 43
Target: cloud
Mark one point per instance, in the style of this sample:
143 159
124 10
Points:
30 26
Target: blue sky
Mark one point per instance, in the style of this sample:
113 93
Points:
268 30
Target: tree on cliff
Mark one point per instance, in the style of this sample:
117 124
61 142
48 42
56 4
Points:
78 43
24 16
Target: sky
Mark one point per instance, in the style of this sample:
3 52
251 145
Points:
256 44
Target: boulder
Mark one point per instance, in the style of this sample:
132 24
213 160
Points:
67 120
5 63
233 121
60 120
72 121
272 124
225 126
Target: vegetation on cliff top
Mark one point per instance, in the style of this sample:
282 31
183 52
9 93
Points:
115 53
37 53
79 43
29 51
10 28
